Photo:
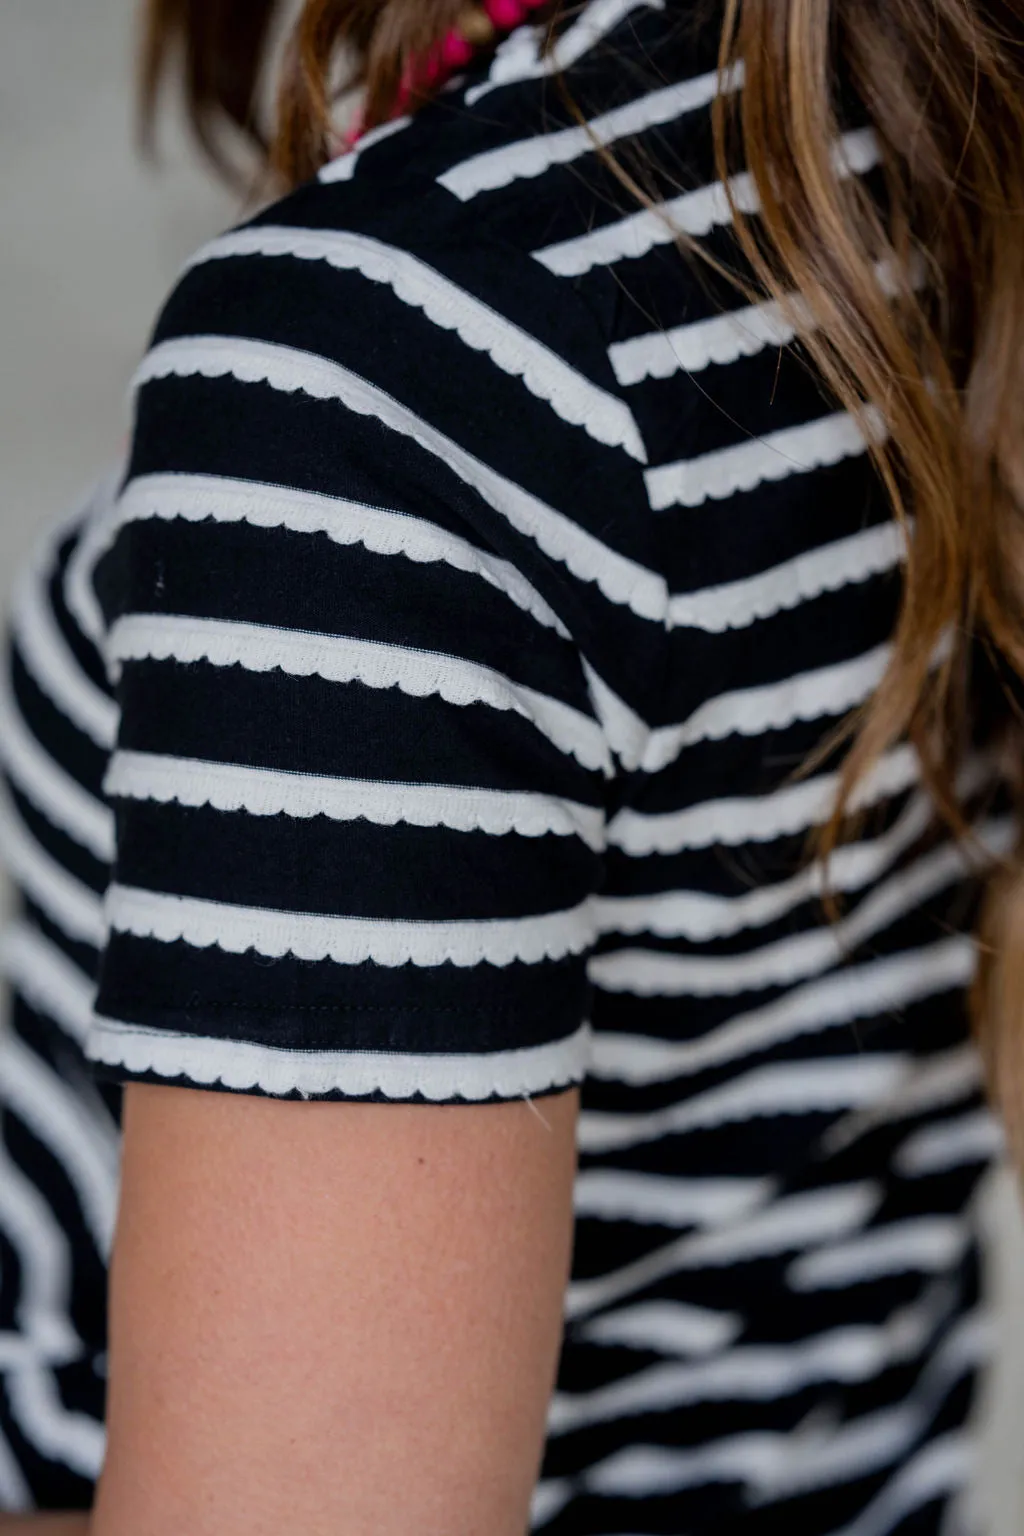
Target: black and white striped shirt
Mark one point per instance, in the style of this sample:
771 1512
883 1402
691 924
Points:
419 717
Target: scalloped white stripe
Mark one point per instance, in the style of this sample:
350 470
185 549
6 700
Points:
348 940
625 732
793 1223
701 916
789 1088
856 992
87 1149
66 900
53 666
762 818
667 1327
530 157
274 792
79 592
735 604
574 398
831 690
62 800
943 1467
521 55
931 1083
342 659
752 1372
973 1138
719 340
757 460
343 167
196 498
614 1194
244 1064
47 979
723 339
828 1457
620 579
929 1244
651 973
692 214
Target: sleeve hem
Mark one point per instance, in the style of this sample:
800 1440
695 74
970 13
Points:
134 1051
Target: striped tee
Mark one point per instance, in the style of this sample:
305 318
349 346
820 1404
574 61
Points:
418 715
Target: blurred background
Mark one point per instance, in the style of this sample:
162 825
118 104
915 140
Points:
90 241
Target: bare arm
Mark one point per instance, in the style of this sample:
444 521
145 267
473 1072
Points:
333 1318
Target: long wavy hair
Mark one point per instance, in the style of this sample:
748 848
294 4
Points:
937 347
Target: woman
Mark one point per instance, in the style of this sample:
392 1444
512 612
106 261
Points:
584 502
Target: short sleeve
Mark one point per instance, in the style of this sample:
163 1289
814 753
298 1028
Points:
359 780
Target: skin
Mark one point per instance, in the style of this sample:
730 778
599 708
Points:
331 1318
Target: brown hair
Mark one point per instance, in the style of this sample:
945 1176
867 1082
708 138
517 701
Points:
937 347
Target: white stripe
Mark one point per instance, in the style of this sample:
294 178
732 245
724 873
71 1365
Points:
533 156
652 973
692 214
343 659
273 792
653 1471
930 1084
521 56
786 1088
777 1465
942 1468
626 733
343 167
79 591
548 1499
760 818
574 398
725 338
242 1064
701 916
806 696
30 1226
753 1373
53 665
15 1494
719 340
87 1148
620 579
63 801
70 904
614 1194
931 1244
775 456
49 982
735 604
973 1138
201 498
858 992
60 1434
816 1459
792 1223
348 940
668 1327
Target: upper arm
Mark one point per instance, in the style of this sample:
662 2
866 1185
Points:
359 785
333 1320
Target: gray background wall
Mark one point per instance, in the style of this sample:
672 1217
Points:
89 242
